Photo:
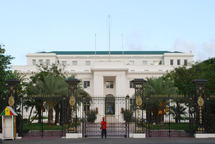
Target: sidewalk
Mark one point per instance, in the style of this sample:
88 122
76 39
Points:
112 141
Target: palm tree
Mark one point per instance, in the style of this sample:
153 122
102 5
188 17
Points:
54 87
177 111
159 86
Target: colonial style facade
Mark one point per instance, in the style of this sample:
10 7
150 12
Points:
104 73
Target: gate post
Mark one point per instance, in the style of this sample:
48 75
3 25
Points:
138 86
84 116
127 105
200 100
72 126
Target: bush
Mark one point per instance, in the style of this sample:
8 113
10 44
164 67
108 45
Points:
128 115
91 116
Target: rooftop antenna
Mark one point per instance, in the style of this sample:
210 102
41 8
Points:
95 44
109 35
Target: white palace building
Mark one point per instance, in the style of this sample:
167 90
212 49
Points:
106 73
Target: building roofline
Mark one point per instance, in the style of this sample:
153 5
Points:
111 52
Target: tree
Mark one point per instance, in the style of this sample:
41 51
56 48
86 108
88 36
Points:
159 86
177 111
4 68
54 87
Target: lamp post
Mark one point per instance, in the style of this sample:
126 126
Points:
12 92
138 86
72 85
200 104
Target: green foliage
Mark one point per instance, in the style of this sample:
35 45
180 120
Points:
183 77
159 86
128 115
91 116
177 111
4 68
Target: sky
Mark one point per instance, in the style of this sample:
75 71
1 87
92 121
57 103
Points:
30 26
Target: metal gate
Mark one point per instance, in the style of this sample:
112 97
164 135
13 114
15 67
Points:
110 107
34 113
169 116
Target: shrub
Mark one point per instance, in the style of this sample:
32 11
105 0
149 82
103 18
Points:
91 116
128 115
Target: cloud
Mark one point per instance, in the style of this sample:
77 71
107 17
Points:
208 49
201 52
135 41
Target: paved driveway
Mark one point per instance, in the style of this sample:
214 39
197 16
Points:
111 141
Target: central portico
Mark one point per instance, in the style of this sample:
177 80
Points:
110 84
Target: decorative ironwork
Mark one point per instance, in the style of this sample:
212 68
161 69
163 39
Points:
73 83
12 92
200 100
11 101
138 86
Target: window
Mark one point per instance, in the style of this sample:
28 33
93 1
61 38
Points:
131 84
145 62
87 63
34 62
155 62
74 63
47 62
109 84
178 62
185 62
86 84
131 62
171 62
64 63
40 61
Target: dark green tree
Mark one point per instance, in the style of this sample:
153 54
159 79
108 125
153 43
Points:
5 61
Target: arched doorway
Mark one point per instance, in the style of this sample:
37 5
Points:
110 105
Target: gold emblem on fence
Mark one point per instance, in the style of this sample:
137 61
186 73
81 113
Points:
11 101
200 101
72 100
139 101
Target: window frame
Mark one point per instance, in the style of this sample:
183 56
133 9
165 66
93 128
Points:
109 84
86 84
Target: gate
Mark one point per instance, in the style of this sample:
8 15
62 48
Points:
112 108
34 113
169 116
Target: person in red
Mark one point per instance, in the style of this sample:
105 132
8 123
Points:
103 127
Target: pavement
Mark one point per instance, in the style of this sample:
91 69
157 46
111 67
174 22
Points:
112 141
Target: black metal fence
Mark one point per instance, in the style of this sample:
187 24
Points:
43 116
112 108
169 116
210 115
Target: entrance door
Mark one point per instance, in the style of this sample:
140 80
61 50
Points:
8 128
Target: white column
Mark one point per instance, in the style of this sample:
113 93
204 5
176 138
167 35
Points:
98 85
99 92
121 88
121 91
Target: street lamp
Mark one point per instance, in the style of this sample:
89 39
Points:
138 86
72 85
